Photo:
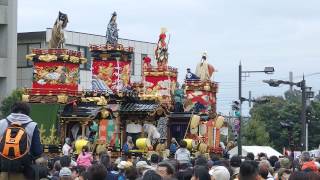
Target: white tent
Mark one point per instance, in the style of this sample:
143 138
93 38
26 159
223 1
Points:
255 150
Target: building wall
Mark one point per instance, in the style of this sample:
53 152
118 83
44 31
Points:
77 41
8 46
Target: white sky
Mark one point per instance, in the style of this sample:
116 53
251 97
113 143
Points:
284 34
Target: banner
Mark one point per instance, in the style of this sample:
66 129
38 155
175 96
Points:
110 75
206 98
55 76
160 86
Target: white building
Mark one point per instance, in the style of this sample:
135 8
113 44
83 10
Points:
8 47
76 41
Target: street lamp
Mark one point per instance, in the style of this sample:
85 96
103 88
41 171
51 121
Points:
267 70
305 93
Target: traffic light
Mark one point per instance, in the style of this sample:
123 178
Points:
235 106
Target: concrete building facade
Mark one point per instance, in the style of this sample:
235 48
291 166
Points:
76 41
8 47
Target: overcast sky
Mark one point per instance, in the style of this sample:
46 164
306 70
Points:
280 33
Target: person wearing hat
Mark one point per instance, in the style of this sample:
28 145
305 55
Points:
142 167
65 174
219 173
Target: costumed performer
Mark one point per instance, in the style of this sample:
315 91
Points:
128 145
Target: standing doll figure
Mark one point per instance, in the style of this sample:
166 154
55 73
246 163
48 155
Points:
161 52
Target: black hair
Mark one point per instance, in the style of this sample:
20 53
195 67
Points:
105 160
97 172
183 144
151 175
201 161
20 107
201 173
85 149
235 161
169 167
131 173
250 156
65 161
248 170
154 158
273 160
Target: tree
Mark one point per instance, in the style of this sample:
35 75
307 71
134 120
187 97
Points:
6 104
270 114
255 133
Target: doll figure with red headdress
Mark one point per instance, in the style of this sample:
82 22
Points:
146 63
161 52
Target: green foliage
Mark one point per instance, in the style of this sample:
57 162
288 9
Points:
6 104
266 118
255 133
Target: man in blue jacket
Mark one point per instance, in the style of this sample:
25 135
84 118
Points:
20 114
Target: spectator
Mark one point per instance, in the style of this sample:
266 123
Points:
249 171
65 174
65 161
273 160
235 163
142 167
85 157
131 173
165 170
219 173
20 115
151 175
154 160
97 172
307 163
201 173
201 161
184 172
76 172
183 154
57 168
264 164
250 156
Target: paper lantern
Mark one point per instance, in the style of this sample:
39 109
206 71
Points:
203 129
143 143
189 143
79 145
219 122
195 121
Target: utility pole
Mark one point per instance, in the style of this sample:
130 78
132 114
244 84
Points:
240 108
303 114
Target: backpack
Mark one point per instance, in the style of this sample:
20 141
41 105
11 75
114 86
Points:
14 148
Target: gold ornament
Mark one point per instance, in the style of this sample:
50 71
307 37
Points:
62 98
25 97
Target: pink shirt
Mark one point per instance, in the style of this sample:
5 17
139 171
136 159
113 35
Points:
85 160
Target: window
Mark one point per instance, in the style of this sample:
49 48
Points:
132 64
23 50
85 52
3 40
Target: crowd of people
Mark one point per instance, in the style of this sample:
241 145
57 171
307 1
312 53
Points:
181 165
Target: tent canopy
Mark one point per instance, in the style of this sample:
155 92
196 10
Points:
255 150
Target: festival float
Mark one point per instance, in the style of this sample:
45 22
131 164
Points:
117 113
195 111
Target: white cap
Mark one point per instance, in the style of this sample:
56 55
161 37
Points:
143 164
220 172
